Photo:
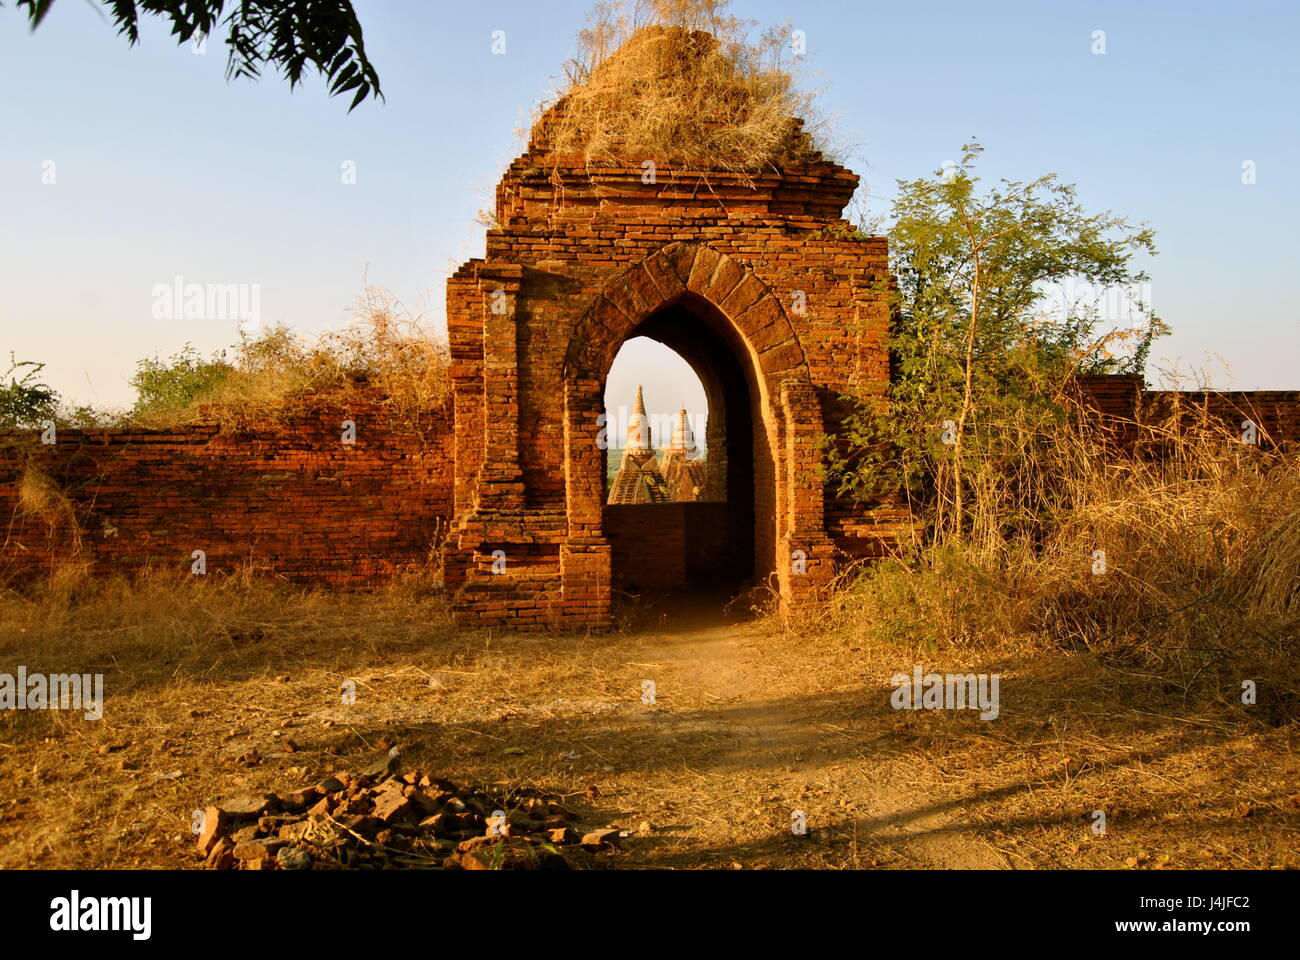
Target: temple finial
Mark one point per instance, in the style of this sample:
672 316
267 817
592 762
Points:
638 426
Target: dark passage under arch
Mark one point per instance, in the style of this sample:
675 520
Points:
709 545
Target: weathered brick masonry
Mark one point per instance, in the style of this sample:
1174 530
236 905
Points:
299 504
293 499
758 283
1123 401
765 291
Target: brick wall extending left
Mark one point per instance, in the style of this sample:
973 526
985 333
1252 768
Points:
292 500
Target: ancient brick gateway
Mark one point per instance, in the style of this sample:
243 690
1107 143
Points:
758 283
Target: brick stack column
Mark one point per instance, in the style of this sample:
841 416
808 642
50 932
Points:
805 566
586 561
501 481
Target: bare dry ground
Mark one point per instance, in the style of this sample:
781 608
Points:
216 691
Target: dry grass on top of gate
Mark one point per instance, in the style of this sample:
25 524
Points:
681 83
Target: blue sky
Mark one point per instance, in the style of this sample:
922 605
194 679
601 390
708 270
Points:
164 169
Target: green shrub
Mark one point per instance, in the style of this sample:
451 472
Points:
178 382
25 402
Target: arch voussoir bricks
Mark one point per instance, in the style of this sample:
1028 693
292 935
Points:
774 296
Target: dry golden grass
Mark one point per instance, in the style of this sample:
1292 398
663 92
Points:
1120 692
681 83
1074 735
40 497
1201 536
386 351
207 682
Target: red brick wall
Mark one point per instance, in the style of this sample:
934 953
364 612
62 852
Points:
671 546
292 500
1276 413
1112 396
649 546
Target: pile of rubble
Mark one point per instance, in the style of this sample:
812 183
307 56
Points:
379 821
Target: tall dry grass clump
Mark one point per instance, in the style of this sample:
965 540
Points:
40 498
167 630
1176 557
680 83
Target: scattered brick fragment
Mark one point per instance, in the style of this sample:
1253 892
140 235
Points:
378 819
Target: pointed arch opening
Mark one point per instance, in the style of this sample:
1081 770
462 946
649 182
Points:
714 542
657 415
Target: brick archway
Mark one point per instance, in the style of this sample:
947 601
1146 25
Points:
746 314
677 271
580 259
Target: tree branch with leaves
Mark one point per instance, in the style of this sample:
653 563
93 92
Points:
292 36
978 345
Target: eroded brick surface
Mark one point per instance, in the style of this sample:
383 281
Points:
292 500
760 285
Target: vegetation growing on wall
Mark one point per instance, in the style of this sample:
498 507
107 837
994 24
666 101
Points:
262 379
681 82
25 401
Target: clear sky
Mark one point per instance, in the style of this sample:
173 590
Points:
163 169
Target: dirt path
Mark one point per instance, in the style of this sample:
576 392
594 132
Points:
740 715
750 724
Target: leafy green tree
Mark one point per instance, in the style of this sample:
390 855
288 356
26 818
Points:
26 403
178 382
288 35
981 351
